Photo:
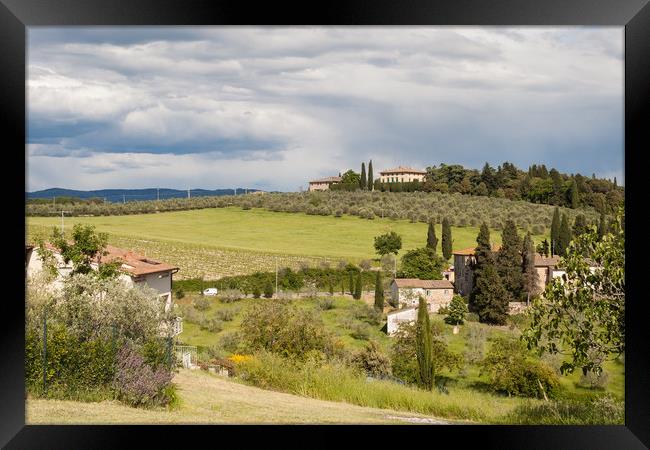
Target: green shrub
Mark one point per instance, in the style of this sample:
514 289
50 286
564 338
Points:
230 295
226 315
472 317
180 293
511 372
230 341
592 381
326 304
268 290
256 291
372 361
360 331
605 410
457 311
212 325
202 303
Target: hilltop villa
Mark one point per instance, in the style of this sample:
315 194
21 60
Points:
323 184
401 175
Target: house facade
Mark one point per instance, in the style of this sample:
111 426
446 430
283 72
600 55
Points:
397 317
401 174
323 184
406 292
135 270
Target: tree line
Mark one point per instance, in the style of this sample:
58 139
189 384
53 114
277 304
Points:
536 185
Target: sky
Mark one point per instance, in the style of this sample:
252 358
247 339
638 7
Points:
273 107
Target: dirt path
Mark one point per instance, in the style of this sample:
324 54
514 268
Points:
208 398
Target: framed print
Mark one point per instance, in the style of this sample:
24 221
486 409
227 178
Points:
255 217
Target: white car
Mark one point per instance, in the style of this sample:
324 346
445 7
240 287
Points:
210 292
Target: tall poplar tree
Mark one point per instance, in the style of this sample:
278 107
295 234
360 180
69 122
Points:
509 260
379 293
371 181
564 237
572 194
358 287
555 231
432 239
483 257
530 277
446 239
424 347
362 180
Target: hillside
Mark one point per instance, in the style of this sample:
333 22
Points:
128 195
217 242
210 399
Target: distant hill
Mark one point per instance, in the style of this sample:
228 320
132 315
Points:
129 195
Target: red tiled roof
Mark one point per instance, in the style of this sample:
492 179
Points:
541 261
425 284
133 264
470 250
402 169
327 180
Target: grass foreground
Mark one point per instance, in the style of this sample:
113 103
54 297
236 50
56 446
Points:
210 399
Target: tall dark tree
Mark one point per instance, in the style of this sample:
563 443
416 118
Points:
530 277
489 297
580 225
565 236
363 183
555 231
358 287
603 227
432 239
371 181
424 347
509 261
351 281
573 195
483 257
446 239
379 293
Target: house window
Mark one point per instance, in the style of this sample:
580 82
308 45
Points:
428 292
446 291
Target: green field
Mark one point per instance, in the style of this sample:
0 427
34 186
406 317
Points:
218 242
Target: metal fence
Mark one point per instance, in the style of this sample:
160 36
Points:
186 355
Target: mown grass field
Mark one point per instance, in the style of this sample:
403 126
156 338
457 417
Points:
340 319
210 399
219 242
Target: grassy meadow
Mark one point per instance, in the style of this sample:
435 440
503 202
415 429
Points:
218 242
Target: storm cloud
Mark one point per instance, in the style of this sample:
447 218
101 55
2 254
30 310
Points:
272 107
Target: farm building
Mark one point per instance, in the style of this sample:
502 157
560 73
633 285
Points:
405 292
401 175
464 259
136 270
323 184
395 318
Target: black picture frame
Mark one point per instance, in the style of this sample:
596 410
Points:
634 15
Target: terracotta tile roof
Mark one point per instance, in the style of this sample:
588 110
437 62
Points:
402 169
541 261
327 180
398 311
133 264
424 284
470 250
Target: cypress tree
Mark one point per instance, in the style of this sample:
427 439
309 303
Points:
546 248
362 180
483 257
579 225
555 230
351 283
565 236
357 290
603 227
446 239
371 181
424 347
490 298
379 293
509 261
573 197
432 239
530 277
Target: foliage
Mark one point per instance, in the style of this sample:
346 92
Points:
432 239
490 299
530 277
137 384
475 347
230 295
388 243
511 372
509 261
594 381
605 410
555 231
358 287
422 263
583 313
372 361
284 329
446 239
179 294
457 311
201 303
325 304
423 347
564 238
379 293
268 290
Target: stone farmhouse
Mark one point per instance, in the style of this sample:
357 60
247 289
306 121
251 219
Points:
464 259
323 184
401 174
405 292
136 270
